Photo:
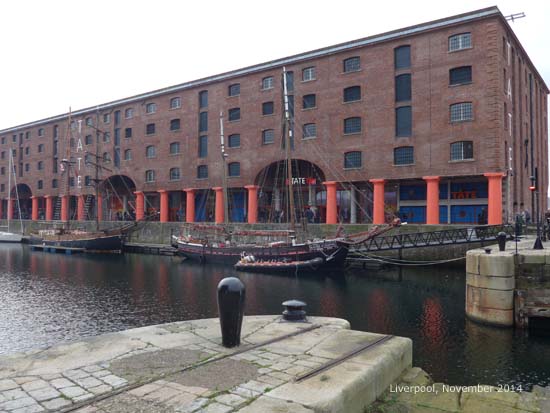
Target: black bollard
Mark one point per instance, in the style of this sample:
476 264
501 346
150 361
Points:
294 311
501 238
231 295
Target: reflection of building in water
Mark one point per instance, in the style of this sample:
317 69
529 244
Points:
419 122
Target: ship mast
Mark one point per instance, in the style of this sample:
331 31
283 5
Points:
224 172
287 141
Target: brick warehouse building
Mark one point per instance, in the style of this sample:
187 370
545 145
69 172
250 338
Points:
443 122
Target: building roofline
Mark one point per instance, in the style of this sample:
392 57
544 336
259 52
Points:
534 69
326 51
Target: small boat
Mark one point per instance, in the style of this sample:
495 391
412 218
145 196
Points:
249 264
8 236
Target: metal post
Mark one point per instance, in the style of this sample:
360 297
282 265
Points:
231 295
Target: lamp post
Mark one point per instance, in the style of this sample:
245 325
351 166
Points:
534 187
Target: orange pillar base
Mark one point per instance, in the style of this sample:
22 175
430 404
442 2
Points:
65 208
34 213
49 207
99 206
332 211
252 213
494 213
80 208
10 208
378 216
163 205
432 199
140 205
190 205
219 213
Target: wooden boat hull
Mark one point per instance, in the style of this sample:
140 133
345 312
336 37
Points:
333 252
108 243
280 267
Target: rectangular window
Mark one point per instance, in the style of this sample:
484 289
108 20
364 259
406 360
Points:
460 41
174 124
117 117
203 122
87 180
402 57
54 183
234 89
107 118
403 155
462 150
174 148
203 146
352 125
174 174
203 99
150 176
40 148
352 160
40 184
234 169
352 64
352 94
40 133
106 137
117 136
308 101
289 81
150 108
234 141
461 112
129 113
117 158
268 136
403 88
461 75
267 83
202 171
267 108
310 130
403 121
128 132
308 74
234 114
175 103
150 129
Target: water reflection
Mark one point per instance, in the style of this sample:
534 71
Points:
48 298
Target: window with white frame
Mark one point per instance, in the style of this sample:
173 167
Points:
267 83
460 41
461 112
150 151
462 150
150 108
150 176
310 130
175 103
308 74
174 174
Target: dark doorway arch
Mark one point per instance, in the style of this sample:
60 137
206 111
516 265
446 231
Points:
23 194
118 198
273 199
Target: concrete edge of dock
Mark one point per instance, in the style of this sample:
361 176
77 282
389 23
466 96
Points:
183 367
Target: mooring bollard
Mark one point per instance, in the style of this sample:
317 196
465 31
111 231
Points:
501 238
294 311
231 295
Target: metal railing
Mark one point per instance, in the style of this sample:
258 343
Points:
482 234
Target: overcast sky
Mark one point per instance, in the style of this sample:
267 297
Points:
80 53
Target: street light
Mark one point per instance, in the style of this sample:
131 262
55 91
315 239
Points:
533 188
